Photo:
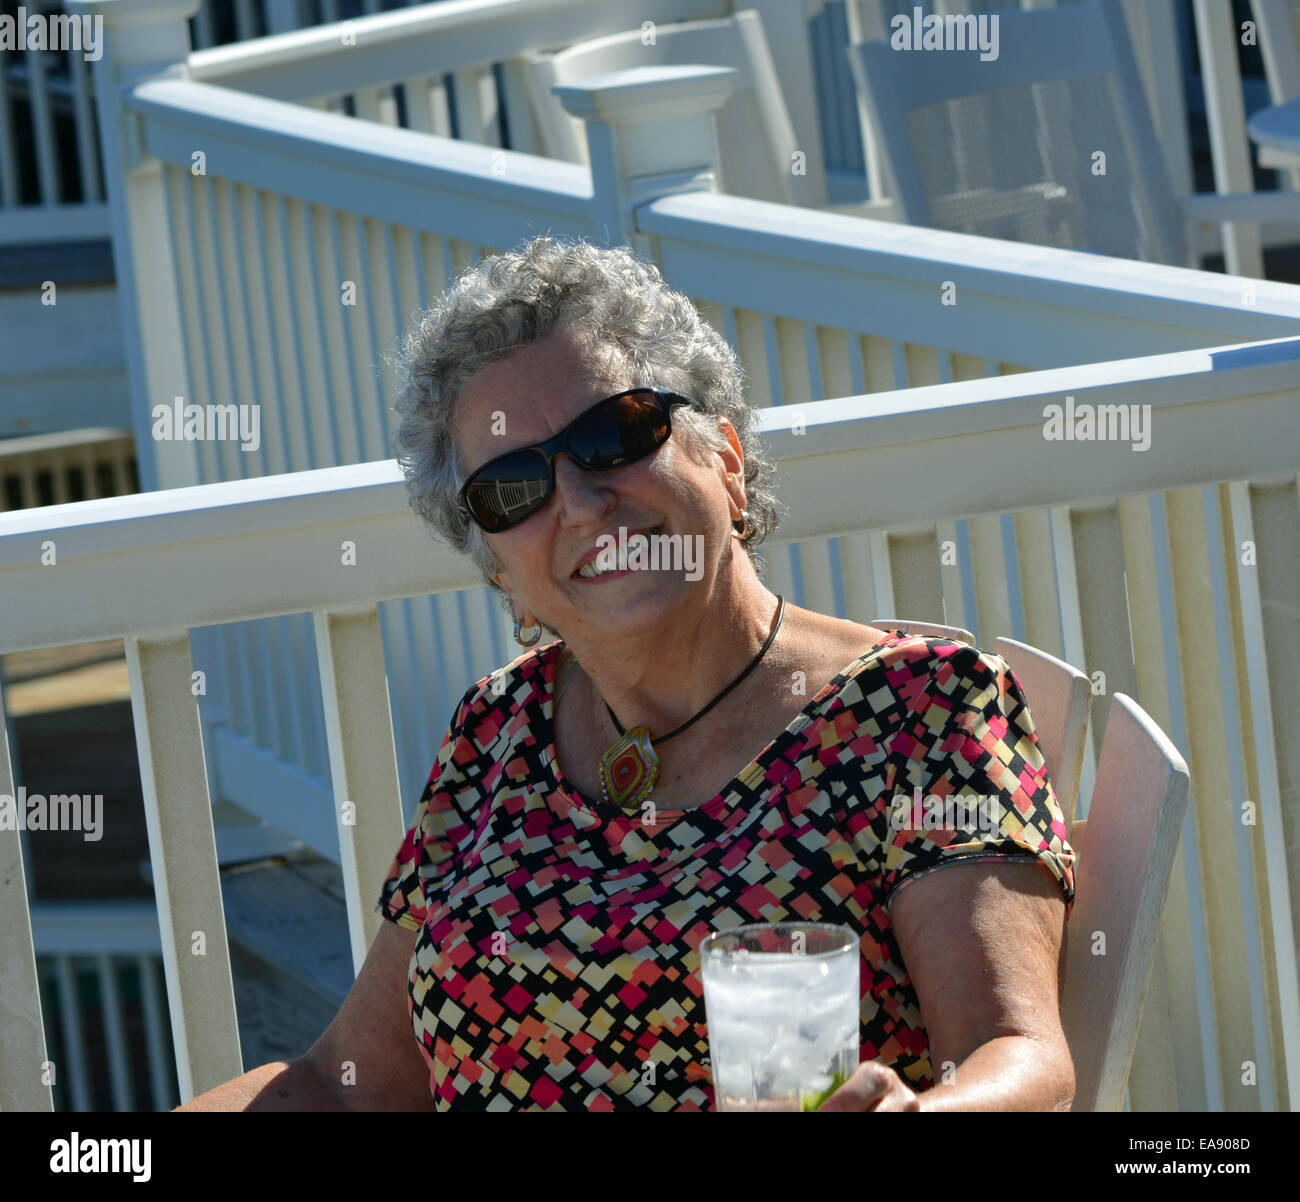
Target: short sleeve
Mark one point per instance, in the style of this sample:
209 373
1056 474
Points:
429 846
965 778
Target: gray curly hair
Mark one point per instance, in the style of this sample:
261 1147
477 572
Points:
617 303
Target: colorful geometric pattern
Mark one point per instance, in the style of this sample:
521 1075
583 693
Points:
557 962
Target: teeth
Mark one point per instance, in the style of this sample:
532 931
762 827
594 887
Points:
606 561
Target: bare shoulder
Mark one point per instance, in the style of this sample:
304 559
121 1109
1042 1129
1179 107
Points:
838 640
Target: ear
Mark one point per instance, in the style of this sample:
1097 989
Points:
733 460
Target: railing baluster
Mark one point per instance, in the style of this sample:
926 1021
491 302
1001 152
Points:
83 115
48 174
519 111
119 1074
76 1075
949 566
1266 516
379 291
899 357
246 25
1234 738
11 187
58 466
183 852
203 341
160 1077
291 279
363 761
914 572
204 32
176 203
476 106
1213 819
324 406
989 564
1038 582
1184 925
231 360
351 269
882 575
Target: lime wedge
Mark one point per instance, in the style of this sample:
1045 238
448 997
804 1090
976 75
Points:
809 1101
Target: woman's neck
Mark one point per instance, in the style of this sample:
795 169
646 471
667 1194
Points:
675 674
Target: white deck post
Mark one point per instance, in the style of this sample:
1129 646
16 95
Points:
183 854
363 761
23 1083
650 132
141 39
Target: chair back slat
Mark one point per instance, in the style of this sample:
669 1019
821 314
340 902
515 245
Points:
1121 881
928 629
1058 695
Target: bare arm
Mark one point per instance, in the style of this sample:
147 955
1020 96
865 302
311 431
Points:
982 943
372 1032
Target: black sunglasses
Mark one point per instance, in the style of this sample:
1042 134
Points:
614 432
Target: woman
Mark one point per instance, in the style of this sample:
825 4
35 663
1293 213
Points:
690 753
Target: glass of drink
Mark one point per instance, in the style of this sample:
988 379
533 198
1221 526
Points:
782 1006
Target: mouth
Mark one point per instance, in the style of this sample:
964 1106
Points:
591 572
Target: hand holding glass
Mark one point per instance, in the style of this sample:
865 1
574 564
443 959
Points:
782 1005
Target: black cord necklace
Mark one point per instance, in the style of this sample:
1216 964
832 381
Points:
629 769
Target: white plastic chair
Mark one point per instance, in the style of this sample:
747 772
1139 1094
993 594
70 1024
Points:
756 139
956 633
1059 697
1278 24
1004 148
1125 852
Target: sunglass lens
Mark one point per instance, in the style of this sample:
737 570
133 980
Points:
507 491
620 430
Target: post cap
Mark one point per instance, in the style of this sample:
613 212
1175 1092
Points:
647 93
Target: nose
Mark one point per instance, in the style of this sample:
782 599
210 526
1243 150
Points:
583 496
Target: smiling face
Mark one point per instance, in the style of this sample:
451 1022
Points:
540 389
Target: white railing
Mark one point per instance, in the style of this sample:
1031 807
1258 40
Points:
121 1018
1167 571
239 303
54 469
824 108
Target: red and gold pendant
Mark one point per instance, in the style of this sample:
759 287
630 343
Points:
628 770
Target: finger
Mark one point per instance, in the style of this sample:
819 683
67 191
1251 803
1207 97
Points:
862 1090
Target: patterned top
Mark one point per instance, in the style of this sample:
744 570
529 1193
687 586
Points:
557 963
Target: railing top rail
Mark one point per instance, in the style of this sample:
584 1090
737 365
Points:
428 39
740 251
286 148
36 444
256 548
